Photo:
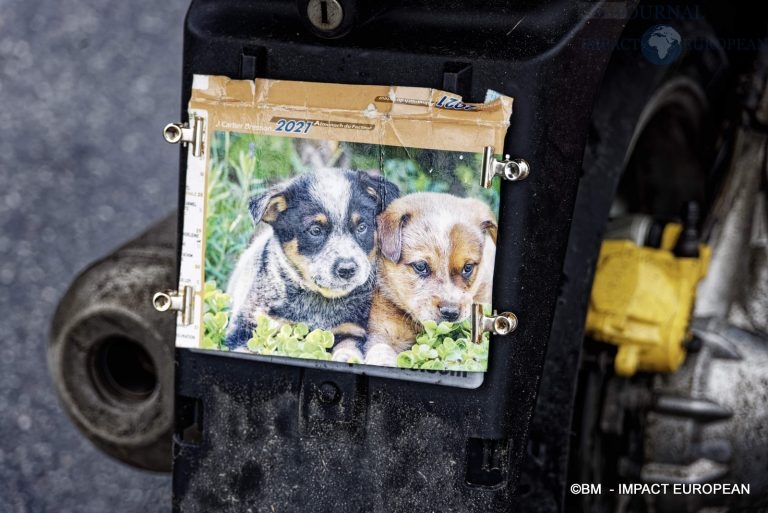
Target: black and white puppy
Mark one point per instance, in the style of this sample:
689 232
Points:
315 259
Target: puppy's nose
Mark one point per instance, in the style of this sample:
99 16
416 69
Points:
345 269
449 313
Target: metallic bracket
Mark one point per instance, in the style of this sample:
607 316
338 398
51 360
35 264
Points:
497 324
182 301
513 170
175 133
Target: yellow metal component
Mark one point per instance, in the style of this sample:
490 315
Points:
642 300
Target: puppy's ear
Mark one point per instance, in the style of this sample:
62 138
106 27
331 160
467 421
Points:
380 189
268 206
390 229
491 228
487 220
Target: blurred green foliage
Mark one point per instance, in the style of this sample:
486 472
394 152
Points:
420 170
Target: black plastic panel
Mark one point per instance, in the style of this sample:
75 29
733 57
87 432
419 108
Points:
270 437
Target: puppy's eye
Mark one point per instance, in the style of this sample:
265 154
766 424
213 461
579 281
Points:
315 230
361 228
421 268
467 270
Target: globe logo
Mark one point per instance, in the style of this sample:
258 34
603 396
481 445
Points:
661 44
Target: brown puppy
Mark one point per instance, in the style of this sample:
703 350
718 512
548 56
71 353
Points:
438 254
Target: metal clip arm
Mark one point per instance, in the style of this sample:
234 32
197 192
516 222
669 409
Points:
176 133
503 323
182 301
509 169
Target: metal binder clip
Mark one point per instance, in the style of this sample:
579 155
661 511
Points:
175 133
498 324
182 301
513 170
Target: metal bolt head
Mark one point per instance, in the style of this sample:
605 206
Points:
328 393
325 15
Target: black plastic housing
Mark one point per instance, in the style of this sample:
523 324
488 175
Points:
254 436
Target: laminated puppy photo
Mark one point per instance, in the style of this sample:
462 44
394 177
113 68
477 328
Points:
347 252
340 226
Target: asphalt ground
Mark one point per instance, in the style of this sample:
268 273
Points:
85 89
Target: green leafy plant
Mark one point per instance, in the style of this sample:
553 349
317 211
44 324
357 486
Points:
273 338
446 346
216 306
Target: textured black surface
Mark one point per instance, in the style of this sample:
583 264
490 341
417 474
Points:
258 419
85 88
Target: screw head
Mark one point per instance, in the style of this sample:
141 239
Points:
325 15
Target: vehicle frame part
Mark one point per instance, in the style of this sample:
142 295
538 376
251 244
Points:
642 300
111 355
